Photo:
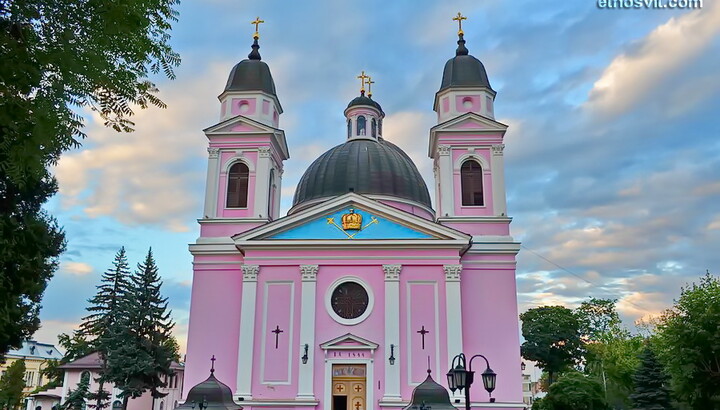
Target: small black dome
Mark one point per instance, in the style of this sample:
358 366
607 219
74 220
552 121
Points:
363 100
464 70
251 74
217 395
430 394
364 167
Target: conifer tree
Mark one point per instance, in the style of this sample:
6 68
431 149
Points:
12 384
104 312
139 349
651 384
76 398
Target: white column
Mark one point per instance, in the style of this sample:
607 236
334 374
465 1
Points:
392 332
306 376
211 184
497 167
446 182
454 311
262 183
247 331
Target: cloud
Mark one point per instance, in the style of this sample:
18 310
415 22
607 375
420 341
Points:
653 61
76 268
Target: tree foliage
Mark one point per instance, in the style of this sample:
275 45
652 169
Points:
60 57
76 398
12 384
552 338
573 391
688 341
141 347
652 391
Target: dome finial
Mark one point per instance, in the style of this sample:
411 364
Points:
362 78
370 82
461 50
212 366
255 54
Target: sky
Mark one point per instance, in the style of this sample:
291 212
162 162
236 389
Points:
612 156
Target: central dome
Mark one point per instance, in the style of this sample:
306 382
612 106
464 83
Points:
366 167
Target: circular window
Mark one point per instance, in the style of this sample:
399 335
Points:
244 106
349 301
467 102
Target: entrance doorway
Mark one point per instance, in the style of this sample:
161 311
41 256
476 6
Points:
349 382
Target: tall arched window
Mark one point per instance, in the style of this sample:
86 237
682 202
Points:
85 376
237 191
380 127
471 182
117 404
360 125
373 128
271 193
162 405
349 128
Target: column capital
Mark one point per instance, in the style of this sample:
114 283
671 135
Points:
250 273
213 152
308 272
392 272
497 149
443 150
452 272
264 152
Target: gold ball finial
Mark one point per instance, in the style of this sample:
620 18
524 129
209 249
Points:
257 23
459 18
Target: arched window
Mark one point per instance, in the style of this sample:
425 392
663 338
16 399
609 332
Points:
271 193
471 177
117 404
237 191
360 125
162 405
380 127
373 128
85 376
38 408
349 128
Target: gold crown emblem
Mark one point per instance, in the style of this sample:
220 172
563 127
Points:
352 221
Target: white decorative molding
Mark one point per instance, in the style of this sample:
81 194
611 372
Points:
452 272
264 152
392 272
213 152
308 272
331 311
250 273
497 149
443 150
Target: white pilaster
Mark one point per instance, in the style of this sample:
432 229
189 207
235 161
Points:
454 311
446 181
247 331
392 332
498 180
262 182
211 190
306 376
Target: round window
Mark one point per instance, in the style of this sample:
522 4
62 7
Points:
349 300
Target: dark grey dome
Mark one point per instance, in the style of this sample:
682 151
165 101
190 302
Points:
431 395
251 74
365 167
363 100
217 395
464 70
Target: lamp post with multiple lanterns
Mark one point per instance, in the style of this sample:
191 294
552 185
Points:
461 376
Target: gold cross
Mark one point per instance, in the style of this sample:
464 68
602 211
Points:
362 78
459 18
257 23
370 82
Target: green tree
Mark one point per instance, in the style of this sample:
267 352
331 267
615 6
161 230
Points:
573 391
76 398
597 318
140 348
60 57
652 385
75 346
552 338
688 340
12 384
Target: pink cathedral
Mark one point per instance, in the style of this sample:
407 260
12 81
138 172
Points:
343 303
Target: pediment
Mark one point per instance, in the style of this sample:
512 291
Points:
349 341
372 223
240 125
470 122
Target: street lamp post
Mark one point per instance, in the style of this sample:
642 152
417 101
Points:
461 376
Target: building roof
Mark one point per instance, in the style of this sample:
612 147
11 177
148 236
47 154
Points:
363 100
430 395
251 74
213 392
35 350
92 361
464 70
365 167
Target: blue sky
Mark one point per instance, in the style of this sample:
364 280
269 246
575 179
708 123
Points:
612 157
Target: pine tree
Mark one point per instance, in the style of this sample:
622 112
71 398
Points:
651 384
12 384
139 350
76 398
104 312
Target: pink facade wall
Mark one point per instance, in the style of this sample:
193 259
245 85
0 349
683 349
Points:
473 100
250 105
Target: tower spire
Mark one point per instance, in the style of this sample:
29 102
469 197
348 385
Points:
255 54
461 50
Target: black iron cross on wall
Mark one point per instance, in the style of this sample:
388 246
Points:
423 332
277 332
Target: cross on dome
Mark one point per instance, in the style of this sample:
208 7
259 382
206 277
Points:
257 23
362 78
459 18
370 82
